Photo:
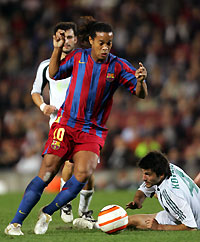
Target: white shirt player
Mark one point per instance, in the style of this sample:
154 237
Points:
179 196
57 89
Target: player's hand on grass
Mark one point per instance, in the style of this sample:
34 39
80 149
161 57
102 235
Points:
133 205
141 73
152 224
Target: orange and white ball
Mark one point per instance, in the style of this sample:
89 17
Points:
112 219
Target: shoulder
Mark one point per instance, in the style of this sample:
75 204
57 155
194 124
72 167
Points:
43 64
72 55
123 63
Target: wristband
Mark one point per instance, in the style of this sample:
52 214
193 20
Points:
42 106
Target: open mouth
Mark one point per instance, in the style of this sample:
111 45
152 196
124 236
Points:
104 54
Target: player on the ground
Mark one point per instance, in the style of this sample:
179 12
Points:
57 92
176 191
79 131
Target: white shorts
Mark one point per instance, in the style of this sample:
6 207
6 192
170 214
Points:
164 217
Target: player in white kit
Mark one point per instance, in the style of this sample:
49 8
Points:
176 191
57 92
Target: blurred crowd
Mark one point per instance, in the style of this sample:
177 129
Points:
163 35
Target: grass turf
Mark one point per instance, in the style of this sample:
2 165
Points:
58 231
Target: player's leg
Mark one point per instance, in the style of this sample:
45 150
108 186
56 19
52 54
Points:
85 163
49 167
138 220
85 199
66 211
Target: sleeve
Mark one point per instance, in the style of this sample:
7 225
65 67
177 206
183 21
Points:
178 208
66 66
40 80
149 192
127 75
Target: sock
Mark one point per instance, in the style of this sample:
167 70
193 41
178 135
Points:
85 199
69 191
62 183
31 196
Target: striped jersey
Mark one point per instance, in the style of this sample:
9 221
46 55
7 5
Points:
89 97
179 196
57 89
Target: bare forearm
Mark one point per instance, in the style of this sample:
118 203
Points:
37 99
141 89
55 62
139 197
179 227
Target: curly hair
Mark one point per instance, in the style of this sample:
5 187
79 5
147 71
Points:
157 162
88 27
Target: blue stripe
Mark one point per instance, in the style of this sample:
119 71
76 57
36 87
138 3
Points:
127 75
77 92
107 93
92 95
46 150
128 64
63 68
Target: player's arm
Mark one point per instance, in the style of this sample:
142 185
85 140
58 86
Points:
137 200
45 108
197 180
58 42
154 225
141 88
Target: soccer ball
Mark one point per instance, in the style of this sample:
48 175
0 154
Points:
112 219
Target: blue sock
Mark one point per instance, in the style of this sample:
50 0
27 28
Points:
69 191
31 196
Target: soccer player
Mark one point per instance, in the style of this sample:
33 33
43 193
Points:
57 91
176 191
79 131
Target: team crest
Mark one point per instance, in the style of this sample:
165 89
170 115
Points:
55 145
110 77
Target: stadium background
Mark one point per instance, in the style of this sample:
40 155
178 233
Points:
164 35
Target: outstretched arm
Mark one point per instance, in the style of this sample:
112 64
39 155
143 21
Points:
152 224
137 200
58 42
141 75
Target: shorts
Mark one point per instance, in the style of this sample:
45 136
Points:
164 217
65 141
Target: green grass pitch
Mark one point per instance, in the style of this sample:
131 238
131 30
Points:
58 231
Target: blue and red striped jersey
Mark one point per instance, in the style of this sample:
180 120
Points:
89 97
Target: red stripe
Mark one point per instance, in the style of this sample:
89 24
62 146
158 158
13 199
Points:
112 220
69 99
117 229
108 210
65 188
100 91
85 90
123 80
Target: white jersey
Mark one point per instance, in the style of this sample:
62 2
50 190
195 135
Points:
57 89
179 196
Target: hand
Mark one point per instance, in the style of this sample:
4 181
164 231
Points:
152 224
141 73
59 39
49 109
133 205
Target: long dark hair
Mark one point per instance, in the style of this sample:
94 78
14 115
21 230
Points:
157 162
88 27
